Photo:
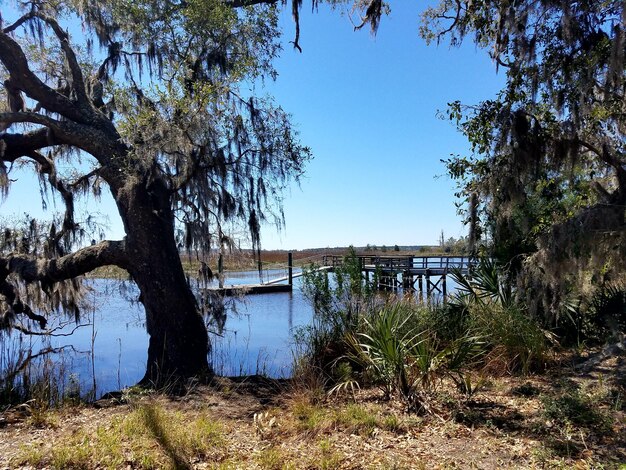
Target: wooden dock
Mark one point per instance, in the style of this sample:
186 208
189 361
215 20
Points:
246 289
423 274
280 284
411 273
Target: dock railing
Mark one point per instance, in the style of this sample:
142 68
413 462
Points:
441 264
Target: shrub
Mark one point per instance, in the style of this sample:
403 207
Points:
487 302
402 358
573 406
338 302
599 318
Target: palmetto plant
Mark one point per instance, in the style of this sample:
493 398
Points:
485 284
403 359
492 311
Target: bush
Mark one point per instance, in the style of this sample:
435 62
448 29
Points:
487 302
338 303
396 350
598 319
510 334
406 347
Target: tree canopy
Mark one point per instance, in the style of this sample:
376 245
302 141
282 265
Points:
155 102
546 182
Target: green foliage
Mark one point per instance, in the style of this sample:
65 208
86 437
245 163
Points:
486 283
600 318
338 303
357 418
469 384
596 317
573 406
545 182
382 349
487 301
397 351
407 347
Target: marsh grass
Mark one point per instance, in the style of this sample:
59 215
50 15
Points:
36 381
150 436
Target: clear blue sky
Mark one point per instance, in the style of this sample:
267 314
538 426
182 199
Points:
367 108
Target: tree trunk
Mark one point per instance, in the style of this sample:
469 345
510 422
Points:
179 344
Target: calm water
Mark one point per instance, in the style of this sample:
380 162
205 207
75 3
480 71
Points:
257 337
110 350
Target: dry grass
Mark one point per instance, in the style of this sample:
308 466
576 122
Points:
260 424
149 436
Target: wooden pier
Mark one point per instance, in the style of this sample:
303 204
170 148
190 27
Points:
423 274
269 287
246 289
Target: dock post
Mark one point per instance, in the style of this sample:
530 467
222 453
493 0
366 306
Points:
443 285
290 267
406 280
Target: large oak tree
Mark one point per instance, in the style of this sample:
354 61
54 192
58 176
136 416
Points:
144 99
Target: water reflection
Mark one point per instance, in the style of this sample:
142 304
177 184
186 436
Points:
109 348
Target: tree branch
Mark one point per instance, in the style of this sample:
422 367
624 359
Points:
78 81
84 178
455 20
32 269
15 61
19 22
607 157
92 139
20 145
48 333
249 3
30 117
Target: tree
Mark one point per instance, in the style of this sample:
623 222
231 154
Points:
142 99
547 178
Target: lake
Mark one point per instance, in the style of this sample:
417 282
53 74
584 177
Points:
109 351
112 343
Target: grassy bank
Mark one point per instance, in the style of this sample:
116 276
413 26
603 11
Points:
379 382
560 419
